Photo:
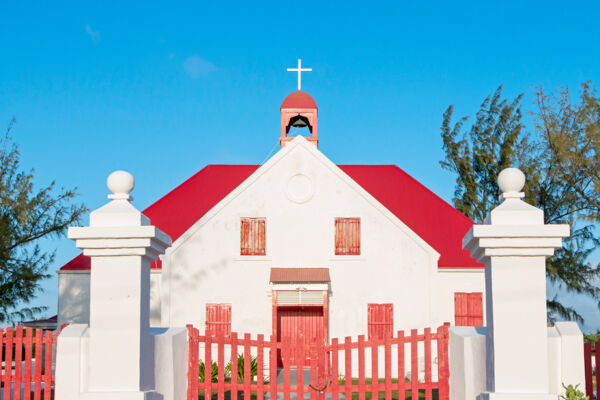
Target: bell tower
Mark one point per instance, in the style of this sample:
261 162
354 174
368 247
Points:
299 110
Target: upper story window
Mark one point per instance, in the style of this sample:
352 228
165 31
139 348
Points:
347 236
468 309
253 237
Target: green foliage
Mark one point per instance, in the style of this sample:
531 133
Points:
592 337
559 158
572 393
214 372
27 214
240 368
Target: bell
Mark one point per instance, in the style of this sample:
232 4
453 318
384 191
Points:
299 123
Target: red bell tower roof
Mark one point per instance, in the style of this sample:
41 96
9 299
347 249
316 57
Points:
298 99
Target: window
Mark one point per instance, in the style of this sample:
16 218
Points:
253 242
218 320
347 236
468 309
381 321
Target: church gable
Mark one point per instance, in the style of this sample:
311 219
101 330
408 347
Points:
294 180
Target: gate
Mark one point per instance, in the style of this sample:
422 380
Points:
27 363
413 366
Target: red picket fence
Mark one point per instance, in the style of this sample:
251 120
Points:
588 354
331 372
27 368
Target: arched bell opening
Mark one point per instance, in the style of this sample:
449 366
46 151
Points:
299 126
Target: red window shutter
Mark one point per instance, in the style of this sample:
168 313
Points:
461 317
218 319
253 237
347 236
380 319
468 309
475 309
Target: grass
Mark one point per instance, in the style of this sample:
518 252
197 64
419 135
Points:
368 394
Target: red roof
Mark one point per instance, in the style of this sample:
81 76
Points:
435 221
299 99
299 275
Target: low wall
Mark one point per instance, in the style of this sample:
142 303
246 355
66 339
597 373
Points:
468 351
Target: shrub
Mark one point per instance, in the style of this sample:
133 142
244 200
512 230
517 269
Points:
214 372
572 393
240 368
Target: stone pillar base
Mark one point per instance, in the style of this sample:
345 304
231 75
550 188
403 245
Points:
147 395
516 396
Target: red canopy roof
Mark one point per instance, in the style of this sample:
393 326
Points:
279 275
299 99
431 218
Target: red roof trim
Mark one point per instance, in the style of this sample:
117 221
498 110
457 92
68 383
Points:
399 192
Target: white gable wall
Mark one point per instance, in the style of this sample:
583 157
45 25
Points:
395 266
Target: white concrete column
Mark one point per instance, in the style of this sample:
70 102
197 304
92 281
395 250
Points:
122 244
514 244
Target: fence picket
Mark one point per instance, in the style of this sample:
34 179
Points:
48 365
234 365
247 365
260 373
286 358
374 371
348 366
28 357
300 370
314 372
8 361
207 365
273 367
388 367
335 381
361 368
597 356
587 359
427 345
221 370
18 364
414 364
401 373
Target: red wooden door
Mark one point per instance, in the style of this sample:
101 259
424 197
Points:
300 323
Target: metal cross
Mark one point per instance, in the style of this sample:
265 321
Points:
300 70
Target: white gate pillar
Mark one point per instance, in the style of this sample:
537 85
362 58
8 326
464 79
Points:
122 244
514 243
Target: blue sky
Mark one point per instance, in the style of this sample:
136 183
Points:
163 88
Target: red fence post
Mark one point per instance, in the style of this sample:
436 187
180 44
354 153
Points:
273 367
247 362
443 363
597 357
587 361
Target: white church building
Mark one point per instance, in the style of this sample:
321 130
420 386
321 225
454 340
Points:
300 246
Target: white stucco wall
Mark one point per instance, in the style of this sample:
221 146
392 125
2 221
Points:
74 297
395 266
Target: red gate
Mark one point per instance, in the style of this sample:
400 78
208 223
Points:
27 363
400 367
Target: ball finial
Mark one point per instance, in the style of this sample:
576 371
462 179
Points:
120 183
511 180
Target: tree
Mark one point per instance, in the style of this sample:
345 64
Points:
564 191
27 214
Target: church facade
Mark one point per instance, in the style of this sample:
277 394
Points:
302 247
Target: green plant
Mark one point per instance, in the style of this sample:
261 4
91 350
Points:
214 372
240 368
572 393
